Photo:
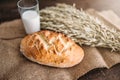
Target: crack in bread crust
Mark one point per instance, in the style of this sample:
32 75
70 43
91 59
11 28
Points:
41 40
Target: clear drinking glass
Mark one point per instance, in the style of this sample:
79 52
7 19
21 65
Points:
29 12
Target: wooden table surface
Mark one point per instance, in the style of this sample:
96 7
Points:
8 11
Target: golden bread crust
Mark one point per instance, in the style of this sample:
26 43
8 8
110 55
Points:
51 48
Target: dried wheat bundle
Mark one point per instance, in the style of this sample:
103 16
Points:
80 26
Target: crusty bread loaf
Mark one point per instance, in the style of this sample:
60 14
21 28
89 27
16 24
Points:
52 49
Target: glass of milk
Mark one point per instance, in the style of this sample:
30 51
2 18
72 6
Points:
29 12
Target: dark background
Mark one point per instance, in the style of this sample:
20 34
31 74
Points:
8 11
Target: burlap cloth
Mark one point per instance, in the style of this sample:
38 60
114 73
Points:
14 66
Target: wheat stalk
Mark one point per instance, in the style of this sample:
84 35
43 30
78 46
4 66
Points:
80 26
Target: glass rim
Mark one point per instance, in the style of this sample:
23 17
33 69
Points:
18 4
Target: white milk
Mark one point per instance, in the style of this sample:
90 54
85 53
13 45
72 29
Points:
31 21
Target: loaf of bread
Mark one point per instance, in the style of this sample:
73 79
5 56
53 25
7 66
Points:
52 49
